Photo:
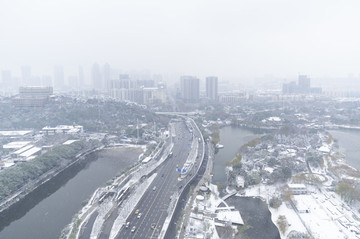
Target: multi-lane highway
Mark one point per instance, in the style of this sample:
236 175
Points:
149 215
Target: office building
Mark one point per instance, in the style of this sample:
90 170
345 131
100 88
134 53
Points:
190 89
303 84
26 75
96 78
212 88
32 96
59 78
6 78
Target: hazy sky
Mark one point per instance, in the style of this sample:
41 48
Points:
233 38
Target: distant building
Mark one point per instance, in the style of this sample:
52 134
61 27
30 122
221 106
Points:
190 89
303 84
297 189
63 129
32 96
96 77
303 87
107 77
59 78
6 78
26 75
81 81
289 88
142 91
212 88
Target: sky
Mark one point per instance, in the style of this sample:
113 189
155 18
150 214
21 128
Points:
228 38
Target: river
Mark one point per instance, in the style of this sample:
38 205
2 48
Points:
232 138
254 211
349 142
46 211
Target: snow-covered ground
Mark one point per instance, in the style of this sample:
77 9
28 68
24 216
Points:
323 214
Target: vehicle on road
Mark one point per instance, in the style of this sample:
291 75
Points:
133 229
139 215
154 188
127 224
137 211
153 226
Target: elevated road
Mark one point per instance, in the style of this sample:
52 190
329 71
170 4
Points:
149 215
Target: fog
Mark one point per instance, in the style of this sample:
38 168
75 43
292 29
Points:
231 39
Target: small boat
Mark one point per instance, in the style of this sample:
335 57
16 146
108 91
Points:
219 146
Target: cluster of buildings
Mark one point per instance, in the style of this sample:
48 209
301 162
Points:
302 87
33 96
142 91
190 89
24 145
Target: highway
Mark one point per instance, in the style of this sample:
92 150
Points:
150 213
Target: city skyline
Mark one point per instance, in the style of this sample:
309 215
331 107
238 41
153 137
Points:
233 40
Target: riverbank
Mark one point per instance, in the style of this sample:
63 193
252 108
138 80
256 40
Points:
297 175
48 209
29 187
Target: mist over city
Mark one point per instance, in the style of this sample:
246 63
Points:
179 119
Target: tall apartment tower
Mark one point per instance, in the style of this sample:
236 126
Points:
81 77
96 77
212 88
190 90
107 77
304 84
59 78
25 75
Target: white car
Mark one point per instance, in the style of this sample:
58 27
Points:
133 229
139 215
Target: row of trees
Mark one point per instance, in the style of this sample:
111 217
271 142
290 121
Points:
12 179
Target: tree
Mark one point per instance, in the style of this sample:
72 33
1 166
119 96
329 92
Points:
275 202
282 224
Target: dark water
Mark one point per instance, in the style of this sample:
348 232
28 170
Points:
232 138
254 211
349 142
256 214
45 212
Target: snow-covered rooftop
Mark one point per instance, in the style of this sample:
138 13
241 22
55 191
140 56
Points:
230 216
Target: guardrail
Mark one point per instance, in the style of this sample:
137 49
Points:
170 216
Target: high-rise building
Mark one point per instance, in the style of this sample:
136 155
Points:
81 77
26 75
59 78
6 78
303 84
212 88
107 77
190 89
32 96
96 78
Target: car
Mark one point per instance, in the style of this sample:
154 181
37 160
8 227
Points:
133 229
127 225
153 226
139 215
154 188
137 211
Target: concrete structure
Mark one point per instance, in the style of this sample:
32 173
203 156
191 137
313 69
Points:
303 87
304 84
64 129
16 144
59 78
26 75
32 96
96 78
297 189
212 88
190 91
